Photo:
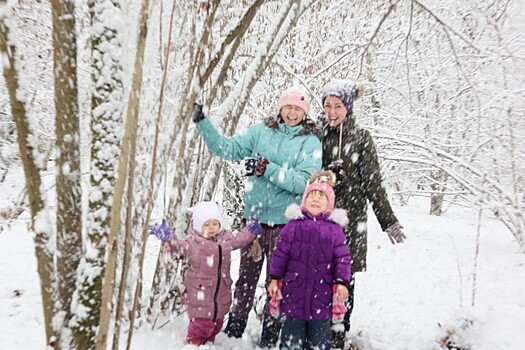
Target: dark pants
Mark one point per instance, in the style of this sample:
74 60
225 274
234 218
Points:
302 334
249 272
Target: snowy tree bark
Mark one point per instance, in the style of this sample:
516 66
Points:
126 161
69 211
40 223
106 121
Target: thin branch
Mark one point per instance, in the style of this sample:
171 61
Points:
376 31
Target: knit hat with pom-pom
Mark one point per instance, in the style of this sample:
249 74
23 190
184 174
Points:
323 181
347 91
295 96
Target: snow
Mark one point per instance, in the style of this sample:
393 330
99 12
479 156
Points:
410 297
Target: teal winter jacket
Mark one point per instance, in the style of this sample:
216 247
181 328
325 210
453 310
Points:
294 154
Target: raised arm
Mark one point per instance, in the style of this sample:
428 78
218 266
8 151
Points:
235 147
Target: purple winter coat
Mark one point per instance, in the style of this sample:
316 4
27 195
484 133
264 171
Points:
208 281
310 257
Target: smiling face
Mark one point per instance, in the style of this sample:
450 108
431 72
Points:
316 202
334 110
292 115
211 227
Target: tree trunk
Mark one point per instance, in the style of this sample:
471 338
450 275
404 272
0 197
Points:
106 120
69 211
127 151
40 223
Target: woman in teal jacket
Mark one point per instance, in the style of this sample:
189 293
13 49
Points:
280 155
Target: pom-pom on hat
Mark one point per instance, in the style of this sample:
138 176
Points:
295 96
347 91
205 211
323 181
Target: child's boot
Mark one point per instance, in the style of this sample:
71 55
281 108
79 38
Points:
338 340
270 334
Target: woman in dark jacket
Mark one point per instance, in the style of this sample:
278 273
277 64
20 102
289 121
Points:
349 151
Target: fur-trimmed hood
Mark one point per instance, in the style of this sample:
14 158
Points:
295 212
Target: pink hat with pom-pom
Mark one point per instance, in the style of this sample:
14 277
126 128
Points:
324 187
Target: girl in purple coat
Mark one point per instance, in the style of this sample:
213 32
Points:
311 256
208 245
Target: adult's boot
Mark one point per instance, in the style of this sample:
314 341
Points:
270 334
235 327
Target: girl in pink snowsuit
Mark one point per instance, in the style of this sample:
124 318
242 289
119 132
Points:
208 247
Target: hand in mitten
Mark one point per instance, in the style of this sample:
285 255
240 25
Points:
249 166
197 114
161 231
253 224
261 165
395 233
340 294
337 168
274 289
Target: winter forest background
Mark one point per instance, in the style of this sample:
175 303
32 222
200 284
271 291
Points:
95 105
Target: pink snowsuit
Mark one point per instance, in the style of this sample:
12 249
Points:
208 295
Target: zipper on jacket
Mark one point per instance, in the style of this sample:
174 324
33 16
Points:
219 268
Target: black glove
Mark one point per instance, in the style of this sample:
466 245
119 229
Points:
255 165
197 114
249 166
337 168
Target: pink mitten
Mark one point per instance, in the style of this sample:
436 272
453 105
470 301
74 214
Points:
338 306
275 302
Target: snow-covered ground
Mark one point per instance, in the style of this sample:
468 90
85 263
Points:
411 295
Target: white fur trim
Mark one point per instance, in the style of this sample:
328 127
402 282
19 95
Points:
294 212
339 217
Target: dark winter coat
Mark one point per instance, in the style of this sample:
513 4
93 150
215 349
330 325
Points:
208 281
294 154
310 257
362 183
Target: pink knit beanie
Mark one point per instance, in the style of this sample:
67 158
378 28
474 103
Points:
324 187
295 96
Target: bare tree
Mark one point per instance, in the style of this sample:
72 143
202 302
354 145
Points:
69 212
29 154
106 121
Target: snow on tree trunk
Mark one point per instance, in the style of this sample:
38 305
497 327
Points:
68 211
32 161
106 123
125 166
